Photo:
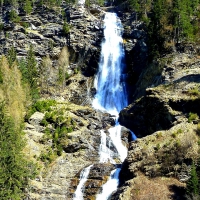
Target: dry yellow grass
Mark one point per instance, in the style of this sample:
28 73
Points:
155 189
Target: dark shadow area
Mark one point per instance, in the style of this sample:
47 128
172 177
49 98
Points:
186 106
189 78
178 192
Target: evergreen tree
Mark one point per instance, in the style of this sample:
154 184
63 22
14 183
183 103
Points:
28 7
14 168
29 72
193 182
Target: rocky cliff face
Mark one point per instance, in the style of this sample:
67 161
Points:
170 95
43 29
59 175
164 115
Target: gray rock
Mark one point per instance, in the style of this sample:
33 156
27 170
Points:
19 36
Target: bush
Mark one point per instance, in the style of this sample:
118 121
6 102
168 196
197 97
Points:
41 106
13 16
25 24
66 28
194 91
45 105
192 117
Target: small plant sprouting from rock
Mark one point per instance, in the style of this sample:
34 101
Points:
11 56
14 17
58 124
1 26
192 117
174 135
66 28
194 92
159 135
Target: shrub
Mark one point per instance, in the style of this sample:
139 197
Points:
194 91
44 105
66 28
25 24
192 117
174 134
13 16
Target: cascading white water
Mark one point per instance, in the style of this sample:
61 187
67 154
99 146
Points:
110 185
111 97
81 2
111 93
78 195
104 151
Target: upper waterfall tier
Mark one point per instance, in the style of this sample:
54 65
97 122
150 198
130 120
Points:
109 82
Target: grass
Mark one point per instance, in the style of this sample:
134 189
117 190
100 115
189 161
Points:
194 92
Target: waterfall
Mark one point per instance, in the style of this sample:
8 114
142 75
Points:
111 97
105 153
81 2
110 185
111 94
78 195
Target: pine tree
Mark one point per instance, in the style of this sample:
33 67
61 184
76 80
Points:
29 72
28 7
14 168
193 182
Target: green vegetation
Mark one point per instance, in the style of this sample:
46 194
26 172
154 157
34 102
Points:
198 129
28 7
41 106
11 56
192 117
60 124
168 23
174 134
15 170
66 28
194 92
193 183
63 63
30 73
1 26
13 16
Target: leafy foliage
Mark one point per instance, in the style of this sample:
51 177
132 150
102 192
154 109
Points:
192 117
